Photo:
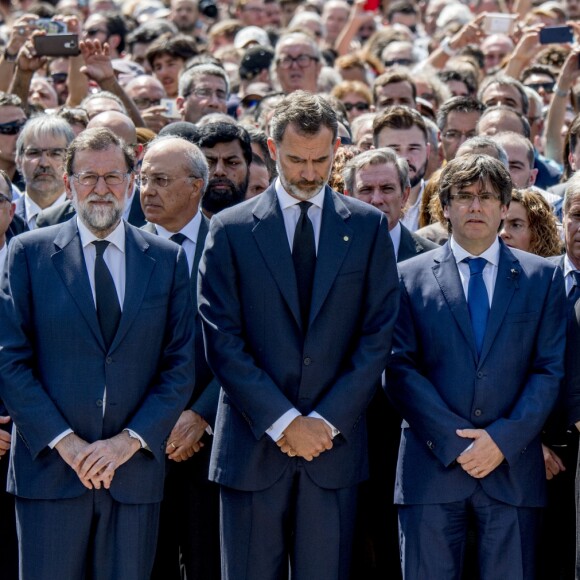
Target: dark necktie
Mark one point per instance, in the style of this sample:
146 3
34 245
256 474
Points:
108 308
477 299
178 238
304 258
574 294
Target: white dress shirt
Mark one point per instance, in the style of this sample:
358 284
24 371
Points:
32 209
3 252
291 214
568 278
411 218
396 238
190 231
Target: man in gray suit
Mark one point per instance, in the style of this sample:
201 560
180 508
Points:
95 368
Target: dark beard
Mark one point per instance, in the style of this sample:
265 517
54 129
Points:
419 175
215 200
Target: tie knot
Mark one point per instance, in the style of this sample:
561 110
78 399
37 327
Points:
304 205
178 238
476 265
100 246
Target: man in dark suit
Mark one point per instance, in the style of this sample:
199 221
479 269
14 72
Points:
381 178
476 368
123 127
298 302
95 368
173 177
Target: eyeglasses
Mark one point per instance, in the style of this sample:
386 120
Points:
398 61
55 153
59 78
4 199
453 135
89 179
303 61
95 31
208 94
466 199
358 106
145 103
12 128
160 181
548 87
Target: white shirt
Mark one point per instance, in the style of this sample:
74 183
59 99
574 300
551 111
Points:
3 253
396 238
32 209
291 214
568 278
190 231
411 218
489 272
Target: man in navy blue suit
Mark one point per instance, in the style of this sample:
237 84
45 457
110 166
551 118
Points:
298 298
476 368
95 368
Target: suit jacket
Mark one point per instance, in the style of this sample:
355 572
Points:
412 245
65 211
54 365
204 399
438 383
267 363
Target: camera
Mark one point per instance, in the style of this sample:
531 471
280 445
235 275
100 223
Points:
208 8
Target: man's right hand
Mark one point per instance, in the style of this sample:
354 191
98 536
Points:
306 437
68 448
4 436
552 462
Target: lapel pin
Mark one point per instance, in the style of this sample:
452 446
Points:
345 238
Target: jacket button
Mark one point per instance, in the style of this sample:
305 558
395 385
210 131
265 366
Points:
99 402
479 375
307 360
109 360
477 412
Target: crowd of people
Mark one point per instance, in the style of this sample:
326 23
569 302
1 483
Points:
289 289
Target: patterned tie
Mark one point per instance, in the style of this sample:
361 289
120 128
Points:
178 238
574 293
477 299
108 308
304 258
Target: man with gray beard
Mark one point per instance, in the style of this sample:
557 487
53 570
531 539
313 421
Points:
95 368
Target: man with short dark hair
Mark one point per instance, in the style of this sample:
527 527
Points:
96 367
476 367
228 151
394 87
297 295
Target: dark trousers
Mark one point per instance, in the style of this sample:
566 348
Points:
8 539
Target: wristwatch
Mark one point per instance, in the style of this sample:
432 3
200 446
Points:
9 57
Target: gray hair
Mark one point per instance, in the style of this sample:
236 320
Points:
189 78
382 156
301 37
104 95
485 146
40 127
194 158
572 192
308 113
509 137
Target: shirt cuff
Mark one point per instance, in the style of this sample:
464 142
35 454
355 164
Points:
335 431
276 430
135 435
58 438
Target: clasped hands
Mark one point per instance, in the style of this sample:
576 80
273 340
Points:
306 437
482 456
185 438
96 463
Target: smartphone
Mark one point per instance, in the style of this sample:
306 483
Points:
371 6
171 109
556 35
498 23
51 26
57 45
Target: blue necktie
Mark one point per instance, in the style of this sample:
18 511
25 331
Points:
574 294
304 257
477 299
108 308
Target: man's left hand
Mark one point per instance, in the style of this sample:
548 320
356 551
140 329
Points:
483 456
185 438
4 436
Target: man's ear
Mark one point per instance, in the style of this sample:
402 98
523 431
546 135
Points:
272 149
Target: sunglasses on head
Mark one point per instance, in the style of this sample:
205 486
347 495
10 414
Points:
12 128
58 78
358 106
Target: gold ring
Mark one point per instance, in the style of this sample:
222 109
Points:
173 445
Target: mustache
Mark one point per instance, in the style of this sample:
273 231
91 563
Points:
43 171
96 197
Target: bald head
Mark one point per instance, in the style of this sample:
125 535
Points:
118 123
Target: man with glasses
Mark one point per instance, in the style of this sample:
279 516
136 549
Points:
476 367
107 27
457 121
203 89
40 154
96 368
173 178
12 120
147 92
298 63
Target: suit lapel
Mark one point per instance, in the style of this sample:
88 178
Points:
335 240
447 276
270 235
506 284
69 262
138 267
407 245
199 245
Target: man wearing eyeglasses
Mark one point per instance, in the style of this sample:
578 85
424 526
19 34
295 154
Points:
147 92
12 119
173 178
298 63
96 365
476 367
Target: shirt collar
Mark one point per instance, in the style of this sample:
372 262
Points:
491 254
568 266
190 230
286 200
116 237
396 237
33 209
